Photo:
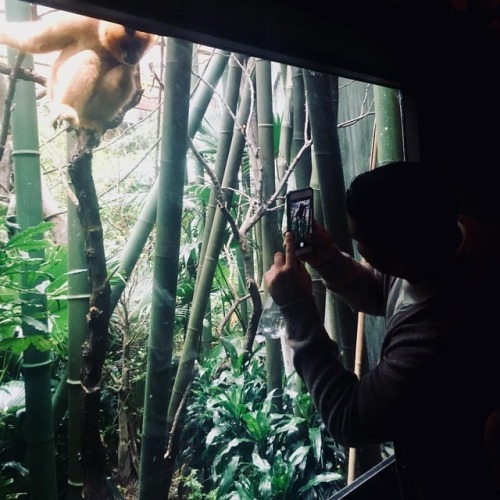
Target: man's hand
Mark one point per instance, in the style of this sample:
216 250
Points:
323 247
287 279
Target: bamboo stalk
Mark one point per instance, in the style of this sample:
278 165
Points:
36 365
351 468
153 478
360 340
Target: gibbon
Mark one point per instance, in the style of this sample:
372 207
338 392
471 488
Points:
94 75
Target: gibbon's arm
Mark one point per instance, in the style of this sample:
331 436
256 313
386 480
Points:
54 32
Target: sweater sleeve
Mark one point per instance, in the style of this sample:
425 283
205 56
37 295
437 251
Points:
357 284
367 410
317 361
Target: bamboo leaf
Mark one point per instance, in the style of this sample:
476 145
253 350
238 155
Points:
28 239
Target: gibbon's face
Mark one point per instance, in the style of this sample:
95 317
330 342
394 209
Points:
127 44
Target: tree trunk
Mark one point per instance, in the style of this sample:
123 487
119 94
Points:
128 463
94 348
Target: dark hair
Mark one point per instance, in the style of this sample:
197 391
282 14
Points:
404 205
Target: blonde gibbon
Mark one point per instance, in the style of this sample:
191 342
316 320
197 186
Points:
94 75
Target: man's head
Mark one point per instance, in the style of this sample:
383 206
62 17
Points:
404 217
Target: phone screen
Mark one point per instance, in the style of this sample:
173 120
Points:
300 217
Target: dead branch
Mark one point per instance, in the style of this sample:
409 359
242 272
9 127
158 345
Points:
254 318
24 74
219 193
13 75
237 301
94 348
257 210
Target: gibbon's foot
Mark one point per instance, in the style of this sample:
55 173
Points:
65 114
91 137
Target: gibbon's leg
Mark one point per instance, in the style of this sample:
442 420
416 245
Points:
53 32
71 87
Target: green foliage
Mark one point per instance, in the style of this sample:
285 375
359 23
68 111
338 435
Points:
14 481
242 447
14 477
19 256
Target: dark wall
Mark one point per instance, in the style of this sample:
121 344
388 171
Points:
353 37
457 89
445 59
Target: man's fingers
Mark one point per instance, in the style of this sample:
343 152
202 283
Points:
291 258
279 258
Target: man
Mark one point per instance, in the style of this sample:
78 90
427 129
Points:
437 380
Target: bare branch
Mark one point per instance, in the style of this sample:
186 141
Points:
256 211
237 301
219 194
13 74
24 74
175 424
362 113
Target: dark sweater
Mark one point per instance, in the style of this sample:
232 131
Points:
435 384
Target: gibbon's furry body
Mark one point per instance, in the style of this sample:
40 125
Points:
93 76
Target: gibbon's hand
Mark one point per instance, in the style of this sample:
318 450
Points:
324 248
287 279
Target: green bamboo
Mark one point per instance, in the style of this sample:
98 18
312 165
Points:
199 173
252 177
135 244
271 229
242 288
230 179
323 120
286 133
145 222
168 228
302 172
232 91
233 80
78 306
389 130
203 95
319 290
190 349
36 368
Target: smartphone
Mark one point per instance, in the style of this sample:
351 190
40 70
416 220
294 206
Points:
299 216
